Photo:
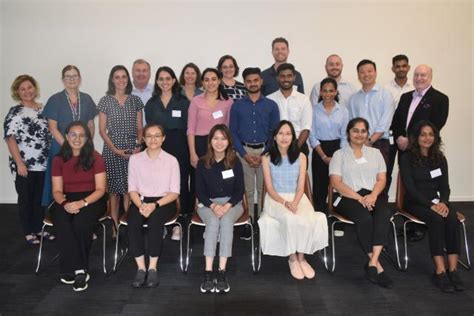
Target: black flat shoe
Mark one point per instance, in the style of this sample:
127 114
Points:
456 280
443 282
384 280
371 274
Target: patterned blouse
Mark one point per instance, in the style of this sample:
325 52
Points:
30 129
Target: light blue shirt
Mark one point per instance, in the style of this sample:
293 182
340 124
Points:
144 94
376 106
345 89
328 126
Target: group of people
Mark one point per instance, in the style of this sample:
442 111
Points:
212 141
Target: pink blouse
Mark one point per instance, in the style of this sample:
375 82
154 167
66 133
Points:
201 118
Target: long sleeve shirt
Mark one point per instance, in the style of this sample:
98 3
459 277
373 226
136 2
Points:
328 126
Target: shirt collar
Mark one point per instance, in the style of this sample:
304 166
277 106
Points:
422 93
376 87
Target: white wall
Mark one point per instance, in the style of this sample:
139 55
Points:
40 37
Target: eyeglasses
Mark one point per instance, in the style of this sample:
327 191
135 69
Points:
70 78
73 135
359 131
157 136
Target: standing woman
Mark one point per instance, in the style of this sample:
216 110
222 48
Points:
120 126
206 110
327 133
190 81
229 68
169 109
424 171
78 177
153 185
220 189
27 136
61 109
291 227
358 173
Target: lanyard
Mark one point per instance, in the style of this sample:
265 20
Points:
75 111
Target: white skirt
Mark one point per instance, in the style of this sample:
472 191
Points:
283 233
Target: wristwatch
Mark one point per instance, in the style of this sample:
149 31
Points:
85 202
157 204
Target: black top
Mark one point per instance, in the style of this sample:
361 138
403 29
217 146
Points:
210 183
235 92
172 117
421 187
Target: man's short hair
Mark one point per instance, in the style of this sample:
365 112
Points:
251 71
366 62
141 61
286 66
280 40
399 58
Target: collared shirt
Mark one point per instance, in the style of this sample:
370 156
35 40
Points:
417 96
144 94
357 173
201 118
296 109
270 82
328 126
173 116
345 89
253 122
153 177
375 106
397 91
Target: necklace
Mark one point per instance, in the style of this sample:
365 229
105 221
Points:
75 111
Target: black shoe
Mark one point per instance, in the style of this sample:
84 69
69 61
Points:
384 280
246 233
68 278
80 282
456 280
139 279
152 278
371 274
208 285
443 283
222 284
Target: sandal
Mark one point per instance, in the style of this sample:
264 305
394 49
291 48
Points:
47 236
31 239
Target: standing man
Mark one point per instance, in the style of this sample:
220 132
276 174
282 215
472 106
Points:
344 88
280 52
141 73
252 121
294 106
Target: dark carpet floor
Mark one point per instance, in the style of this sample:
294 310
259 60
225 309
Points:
272 291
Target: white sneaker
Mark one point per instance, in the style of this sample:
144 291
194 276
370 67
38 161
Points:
338 233
176 235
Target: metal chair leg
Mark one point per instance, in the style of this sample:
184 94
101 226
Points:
103 247
116 248
180 246
188 249
467 264
397 253
254 268
40 251
405 244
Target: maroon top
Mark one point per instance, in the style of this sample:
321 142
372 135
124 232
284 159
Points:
76 179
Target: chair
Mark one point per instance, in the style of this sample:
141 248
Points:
338 218
409 218
171 222
244 219
47 222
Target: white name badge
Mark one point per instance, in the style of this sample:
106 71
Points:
227 174
336 202
435 201
200 205
435 173
217 114
361 160
176 113
390 140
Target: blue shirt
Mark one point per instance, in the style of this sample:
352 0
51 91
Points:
328 126
285 175
270 82
376 106
253 122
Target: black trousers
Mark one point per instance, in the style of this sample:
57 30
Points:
200 145
74 231
442 231
321 174
371 226
30 193
156 222
176 143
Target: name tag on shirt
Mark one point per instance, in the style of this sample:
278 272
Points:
336 202
217 114
435 201
176 113
361 160
435 173
227 174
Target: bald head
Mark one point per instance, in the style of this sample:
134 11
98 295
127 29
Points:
334 66
422 77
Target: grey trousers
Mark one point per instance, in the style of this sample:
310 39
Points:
223 227
253 178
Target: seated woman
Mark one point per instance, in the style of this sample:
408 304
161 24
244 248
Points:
153 184
357 172
289 226
79 181
424 171
220 190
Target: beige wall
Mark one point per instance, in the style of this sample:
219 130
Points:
40 37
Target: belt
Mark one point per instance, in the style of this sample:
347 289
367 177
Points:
254 146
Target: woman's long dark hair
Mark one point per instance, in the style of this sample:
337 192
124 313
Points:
222 95
435 154
230 156
175 90
293 150
86 156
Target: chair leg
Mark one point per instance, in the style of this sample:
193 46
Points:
116 248
103 247
188 249
180 246
405 244
254 268
40 250
467 264
397 251
333 249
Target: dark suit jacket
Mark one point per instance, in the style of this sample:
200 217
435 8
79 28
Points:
433 107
